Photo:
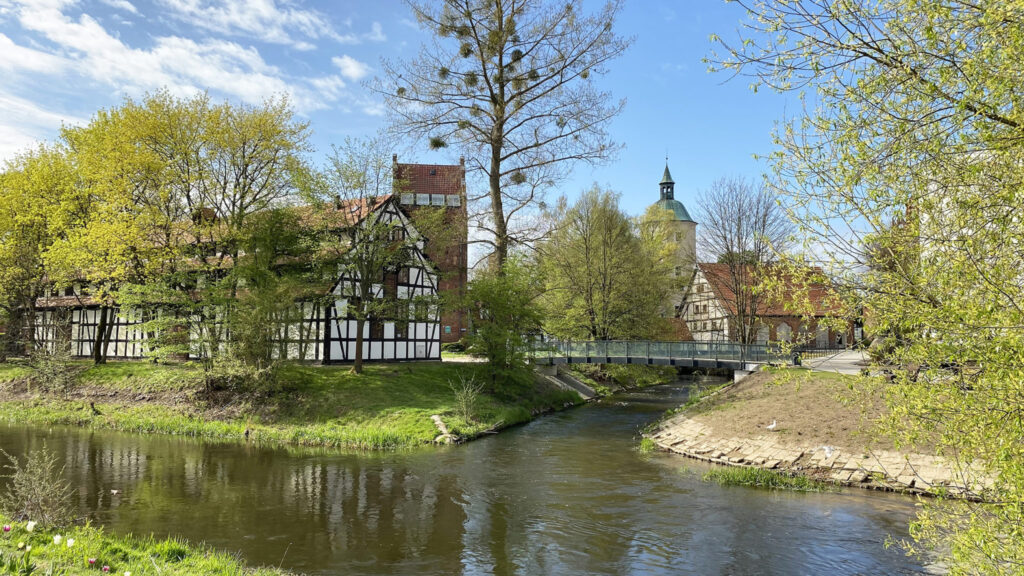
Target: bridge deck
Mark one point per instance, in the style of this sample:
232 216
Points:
686 354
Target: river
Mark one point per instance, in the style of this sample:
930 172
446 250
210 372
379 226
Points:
566 494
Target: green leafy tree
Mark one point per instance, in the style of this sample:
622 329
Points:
906 175
361 243
148 208
606 276
511 84
38 203
504 316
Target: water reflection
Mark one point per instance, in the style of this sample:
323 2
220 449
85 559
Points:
567 494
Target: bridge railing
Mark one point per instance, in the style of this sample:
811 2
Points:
644 349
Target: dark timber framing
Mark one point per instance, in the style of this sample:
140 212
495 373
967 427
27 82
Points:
415 335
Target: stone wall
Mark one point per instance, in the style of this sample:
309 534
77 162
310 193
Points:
880 469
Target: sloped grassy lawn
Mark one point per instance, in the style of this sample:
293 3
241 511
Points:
388 406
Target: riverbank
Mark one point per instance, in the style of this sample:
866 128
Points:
803 423
87 549
388 406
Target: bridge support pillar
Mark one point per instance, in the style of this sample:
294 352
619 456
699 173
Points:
548 369
739 375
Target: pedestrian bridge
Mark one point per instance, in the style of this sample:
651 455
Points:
652 353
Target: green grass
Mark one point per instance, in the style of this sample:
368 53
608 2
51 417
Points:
10 371
141 376
388 406
136 555
771 479
647 445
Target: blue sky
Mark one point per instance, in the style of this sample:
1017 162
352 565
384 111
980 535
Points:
61 60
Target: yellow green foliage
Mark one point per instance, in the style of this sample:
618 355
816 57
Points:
906 178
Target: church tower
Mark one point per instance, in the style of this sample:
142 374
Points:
683 228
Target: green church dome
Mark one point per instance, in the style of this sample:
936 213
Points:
676 207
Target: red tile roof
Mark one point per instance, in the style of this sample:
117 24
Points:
798 287
430 178
341 214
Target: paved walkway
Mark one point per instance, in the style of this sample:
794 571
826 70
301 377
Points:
844 362
885 470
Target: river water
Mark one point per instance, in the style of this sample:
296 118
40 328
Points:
566 494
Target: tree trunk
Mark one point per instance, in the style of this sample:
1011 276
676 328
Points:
497 207
357 368
98 356
326 336
108 332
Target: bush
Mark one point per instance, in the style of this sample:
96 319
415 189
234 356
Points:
459 346
226 372
467 392
37 490
52 367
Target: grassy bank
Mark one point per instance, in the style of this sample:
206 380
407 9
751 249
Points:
388 406
761 478
87 550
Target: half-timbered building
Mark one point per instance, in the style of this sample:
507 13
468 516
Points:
320 329
711 308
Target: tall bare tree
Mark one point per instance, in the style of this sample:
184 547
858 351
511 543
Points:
511 84
743 228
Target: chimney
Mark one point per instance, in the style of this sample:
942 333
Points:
337 201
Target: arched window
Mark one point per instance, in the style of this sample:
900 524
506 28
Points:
783 333
821 337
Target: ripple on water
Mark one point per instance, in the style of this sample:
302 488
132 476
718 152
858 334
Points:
567 494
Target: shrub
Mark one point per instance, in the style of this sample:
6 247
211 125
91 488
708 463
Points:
52 367
37 490
467 392
459 346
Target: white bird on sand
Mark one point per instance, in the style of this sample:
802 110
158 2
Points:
771 427
828 451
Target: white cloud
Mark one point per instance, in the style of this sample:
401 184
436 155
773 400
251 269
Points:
121 5
19 58
330 86
350 67
181 64
376 33
265 20
26 123
66 51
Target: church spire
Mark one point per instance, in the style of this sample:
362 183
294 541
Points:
667 185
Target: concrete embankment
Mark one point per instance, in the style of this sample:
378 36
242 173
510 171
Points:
566 381
804 430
